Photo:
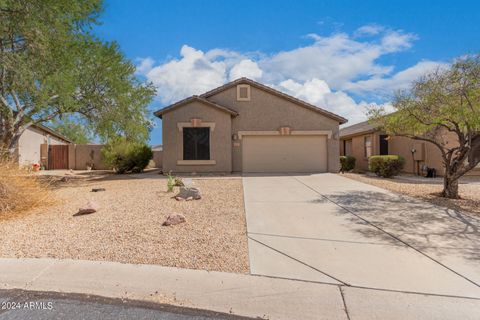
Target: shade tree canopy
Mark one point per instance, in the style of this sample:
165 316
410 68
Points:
52 66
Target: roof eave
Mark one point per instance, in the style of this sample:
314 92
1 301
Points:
351 135
161 112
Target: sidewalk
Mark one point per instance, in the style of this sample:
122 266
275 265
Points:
245 295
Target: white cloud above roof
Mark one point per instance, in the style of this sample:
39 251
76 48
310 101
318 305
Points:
326 72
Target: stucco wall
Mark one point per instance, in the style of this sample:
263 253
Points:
83 154
158 158
268 112
29 145
220 138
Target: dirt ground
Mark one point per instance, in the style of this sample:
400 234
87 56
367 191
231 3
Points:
128 226
469 189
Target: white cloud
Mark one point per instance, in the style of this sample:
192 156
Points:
369 30
145 65
395 41
245 68
317 92
403 79
325 72
194 73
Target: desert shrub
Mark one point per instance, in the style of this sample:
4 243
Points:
347 163
179 182
124 157
170 182
386 166
20 190
173 181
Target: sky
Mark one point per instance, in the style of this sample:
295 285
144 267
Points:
343 56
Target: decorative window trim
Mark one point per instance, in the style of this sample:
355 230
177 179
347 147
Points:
196 162
327 133
241 86
181 125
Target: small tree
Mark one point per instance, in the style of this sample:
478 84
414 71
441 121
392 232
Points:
440 105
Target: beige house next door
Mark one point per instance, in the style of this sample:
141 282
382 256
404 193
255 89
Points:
277 153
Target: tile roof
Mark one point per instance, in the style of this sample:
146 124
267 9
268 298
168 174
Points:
356 129
180 103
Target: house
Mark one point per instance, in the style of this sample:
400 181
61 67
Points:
245 126
363 140
31 141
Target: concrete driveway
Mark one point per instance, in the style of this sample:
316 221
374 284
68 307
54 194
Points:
330 229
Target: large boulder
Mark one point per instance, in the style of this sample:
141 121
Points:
174 219
190 193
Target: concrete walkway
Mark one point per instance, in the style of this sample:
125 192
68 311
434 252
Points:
329 229
245 295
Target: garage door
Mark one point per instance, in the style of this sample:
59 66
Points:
284 153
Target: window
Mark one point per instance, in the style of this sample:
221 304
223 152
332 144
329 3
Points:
347 147
368 146
383 144
243 92
196 143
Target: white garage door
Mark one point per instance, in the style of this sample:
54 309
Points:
284 153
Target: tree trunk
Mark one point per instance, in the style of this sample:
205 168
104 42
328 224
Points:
8 147
450 187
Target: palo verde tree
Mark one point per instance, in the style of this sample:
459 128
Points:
51 67
442 108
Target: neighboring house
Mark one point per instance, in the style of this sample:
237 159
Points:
245 126
363 140
30 142
157 155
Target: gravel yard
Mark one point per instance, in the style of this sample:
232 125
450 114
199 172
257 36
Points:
128 227
469 189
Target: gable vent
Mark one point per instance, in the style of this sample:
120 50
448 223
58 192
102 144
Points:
243 92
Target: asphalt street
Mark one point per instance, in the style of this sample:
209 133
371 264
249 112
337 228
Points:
29 305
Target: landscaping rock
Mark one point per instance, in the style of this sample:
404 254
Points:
98 189
188 194
89 208
64 179
174 219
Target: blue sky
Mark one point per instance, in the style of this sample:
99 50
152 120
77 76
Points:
339 55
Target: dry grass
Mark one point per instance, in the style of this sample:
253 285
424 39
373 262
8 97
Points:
128 226
469 192
20 190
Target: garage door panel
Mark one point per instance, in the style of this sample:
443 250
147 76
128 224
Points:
284 154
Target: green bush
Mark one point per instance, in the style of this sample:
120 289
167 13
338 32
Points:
126 157
347 163
386 166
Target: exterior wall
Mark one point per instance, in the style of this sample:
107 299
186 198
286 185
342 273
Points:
220 138
358 149
29 145
158 158
83 156
403 146
268 112
79 156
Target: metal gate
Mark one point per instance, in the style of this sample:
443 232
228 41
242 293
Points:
58 156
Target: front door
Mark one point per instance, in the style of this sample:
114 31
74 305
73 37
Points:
383 144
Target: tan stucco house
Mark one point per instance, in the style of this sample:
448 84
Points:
31 141
363 140
245 126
